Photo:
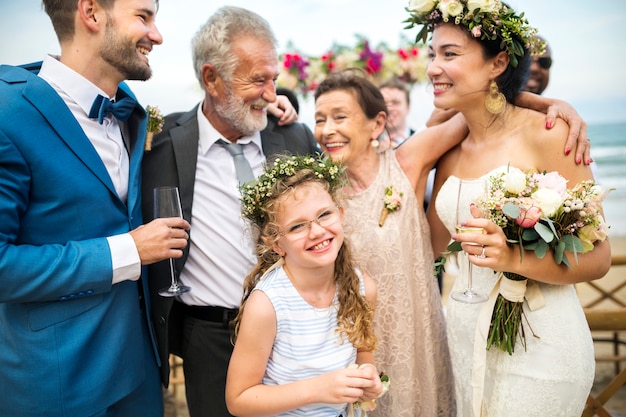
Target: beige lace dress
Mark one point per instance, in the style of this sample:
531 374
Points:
409 321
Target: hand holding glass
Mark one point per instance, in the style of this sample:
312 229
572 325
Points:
469 190
167 204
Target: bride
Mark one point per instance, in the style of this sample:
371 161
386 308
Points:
553 375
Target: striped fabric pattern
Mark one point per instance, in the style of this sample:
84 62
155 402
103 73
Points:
306 343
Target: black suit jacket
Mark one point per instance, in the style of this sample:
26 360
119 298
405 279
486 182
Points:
172 162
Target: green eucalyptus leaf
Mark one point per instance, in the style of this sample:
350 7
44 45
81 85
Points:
545 232
559 253
566 261
550 224
532 245
511 210
569 242
530 235
541 249
455 246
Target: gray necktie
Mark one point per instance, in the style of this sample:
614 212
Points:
242 166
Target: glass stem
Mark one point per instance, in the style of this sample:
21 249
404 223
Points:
469 274
173 275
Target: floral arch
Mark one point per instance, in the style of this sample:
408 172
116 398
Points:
302 73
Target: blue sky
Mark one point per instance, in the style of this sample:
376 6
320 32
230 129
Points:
587 41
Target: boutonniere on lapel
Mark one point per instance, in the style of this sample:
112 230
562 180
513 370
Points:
155 125
392 201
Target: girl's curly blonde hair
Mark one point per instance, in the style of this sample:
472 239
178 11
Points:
355 315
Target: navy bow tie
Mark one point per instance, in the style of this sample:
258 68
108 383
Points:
121 109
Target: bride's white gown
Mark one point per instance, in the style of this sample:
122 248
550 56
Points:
551 378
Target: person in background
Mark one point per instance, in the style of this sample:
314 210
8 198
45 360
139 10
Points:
236 63
540 70
397 96
291 96
75 338
538 81
305 321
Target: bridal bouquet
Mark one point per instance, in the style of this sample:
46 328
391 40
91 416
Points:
537 212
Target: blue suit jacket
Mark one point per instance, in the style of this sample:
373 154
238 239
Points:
70 342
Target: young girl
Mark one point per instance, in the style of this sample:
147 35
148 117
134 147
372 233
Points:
306 314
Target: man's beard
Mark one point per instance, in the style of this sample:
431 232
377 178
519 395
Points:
121 54
235 111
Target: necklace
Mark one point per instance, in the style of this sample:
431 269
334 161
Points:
323 311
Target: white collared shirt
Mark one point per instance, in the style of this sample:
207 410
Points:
221 248
78 93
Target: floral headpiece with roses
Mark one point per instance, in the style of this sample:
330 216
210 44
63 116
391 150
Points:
255 194
484 19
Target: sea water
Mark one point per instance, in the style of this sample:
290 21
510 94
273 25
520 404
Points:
608 150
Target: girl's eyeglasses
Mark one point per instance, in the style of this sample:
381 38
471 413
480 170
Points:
326 218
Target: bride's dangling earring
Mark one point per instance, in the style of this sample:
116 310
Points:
495 102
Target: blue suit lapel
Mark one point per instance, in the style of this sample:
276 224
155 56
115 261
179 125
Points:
136 128
53 108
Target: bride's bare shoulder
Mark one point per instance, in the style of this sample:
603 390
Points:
537 135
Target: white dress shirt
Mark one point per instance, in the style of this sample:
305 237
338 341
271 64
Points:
221 248
78 93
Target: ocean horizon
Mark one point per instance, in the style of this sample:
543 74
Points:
608 150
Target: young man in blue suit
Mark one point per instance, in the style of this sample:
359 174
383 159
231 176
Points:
74 333
236 64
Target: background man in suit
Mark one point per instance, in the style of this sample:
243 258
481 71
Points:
397 96
236 64
539 76
74 334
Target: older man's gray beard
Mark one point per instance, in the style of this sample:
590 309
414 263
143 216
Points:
238 114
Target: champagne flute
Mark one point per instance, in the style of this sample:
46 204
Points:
469 190
167 204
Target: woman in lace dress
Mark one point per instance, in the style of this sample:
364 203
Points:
554 373
350 115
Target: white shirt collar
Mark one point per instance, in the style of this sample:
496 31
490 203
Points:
208 135
82 91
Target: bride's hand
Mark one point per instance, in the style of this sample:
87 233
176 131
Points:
490 249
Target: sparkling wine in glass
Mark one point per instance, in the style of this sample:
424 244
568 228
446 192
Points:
469 191
167 204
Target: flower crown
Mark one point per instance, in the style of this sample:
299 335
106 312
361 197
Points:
485 19
255 194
